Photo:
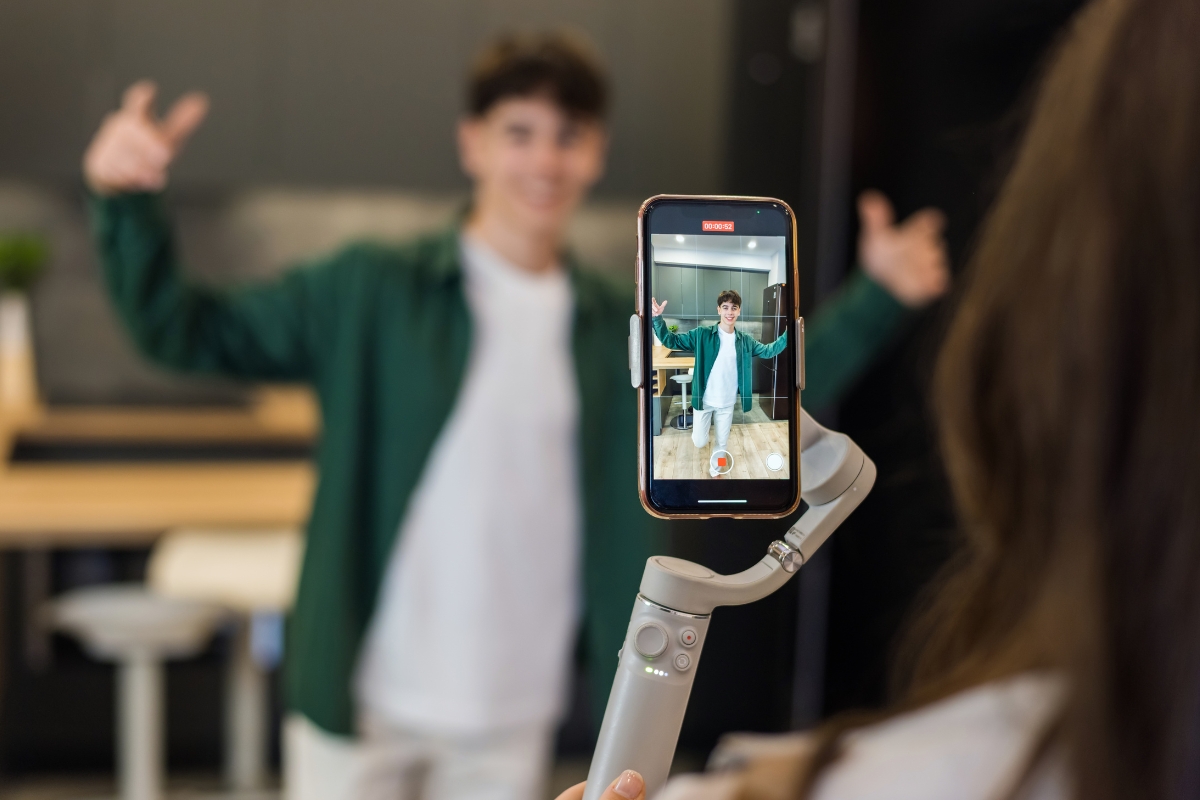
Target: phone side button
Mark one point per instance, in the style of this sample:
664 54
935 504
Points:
637 284
635 351
800 354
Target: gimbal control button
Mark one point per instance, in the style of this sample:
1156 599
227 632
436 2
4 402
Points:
688 637
650 640
682 661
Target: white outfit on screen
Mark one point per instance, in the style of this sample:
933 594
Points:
702 420
721 384
472 636
720 394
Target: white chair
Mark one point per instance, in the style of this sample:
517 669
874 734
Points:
139 630
684 421
248 573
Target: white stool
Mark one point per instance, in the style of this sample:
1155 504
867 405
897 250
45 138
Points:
246 572
139 630
684 420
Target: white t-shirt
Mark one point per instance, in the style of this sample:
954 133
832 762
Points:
477 613
971 746
720 390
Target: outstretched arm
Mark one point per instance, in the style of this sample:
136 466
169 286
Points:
904 268
760 350
675 341
268 331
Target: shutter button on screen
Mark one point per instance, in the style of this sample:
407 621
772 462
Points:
650 640
688 637
682 661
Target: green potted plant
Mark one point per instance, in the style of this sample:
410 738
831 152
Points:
22 259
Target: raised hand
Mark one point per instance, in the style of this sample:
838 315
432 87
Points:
909 259
657 309
133 149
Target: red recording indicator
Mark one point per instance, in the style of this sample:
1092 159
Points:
723 226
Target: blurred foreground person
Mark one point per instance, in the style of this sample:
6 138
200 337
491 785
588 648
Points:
1061 659
478 443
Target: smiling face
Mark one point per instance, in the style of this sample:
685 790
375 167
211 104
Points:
729 313
531 162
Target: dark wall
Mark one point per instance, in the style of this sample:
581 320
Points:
357 92
773 142
942 88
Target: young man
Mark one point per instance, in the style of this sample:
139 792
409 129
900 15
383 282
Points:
463 512
724 356
459 495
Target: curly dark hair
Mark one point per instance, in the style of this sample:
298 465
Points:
729 296
555 64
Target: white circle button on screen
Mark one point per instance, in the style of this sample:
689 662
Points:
774 462
650 640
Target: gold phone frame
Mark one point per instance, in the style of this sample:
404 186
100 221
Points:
644 430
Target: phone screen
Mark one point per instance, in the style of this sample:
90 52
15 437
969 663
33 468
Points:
718 297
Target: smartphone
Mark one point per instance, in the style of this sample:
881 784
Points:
717 348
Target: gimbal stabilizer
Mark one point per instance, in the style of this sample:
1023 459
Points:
670 616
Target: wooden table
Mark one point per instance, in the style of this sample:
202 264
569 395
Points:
98 505
59 504
272 415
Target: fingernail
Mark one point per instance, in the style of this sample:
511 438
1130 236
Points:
629 785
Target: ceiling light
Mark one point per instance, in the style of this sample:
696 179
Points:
752 244
679 238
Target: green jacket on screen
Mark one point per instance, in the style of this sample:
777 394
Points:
705 342
382 333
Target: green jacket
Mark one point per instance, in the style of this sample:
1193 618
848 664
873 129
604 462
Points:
365 326
705 342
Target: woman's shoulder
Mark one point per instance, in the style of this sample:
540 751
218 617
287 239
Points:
970 745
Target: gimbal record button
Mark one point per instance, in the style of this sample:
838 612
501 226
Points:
650 640
687 637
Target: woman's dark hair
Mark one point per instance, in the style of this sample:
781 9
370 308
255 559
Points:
556 64
1068 397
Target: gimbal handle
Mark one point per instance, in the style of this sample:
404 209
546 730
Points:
670 617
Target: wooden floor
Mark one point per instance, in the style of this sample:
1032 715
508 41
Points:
677 458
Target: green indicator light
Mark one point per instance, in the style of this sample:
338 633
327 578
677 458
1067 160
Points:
648 669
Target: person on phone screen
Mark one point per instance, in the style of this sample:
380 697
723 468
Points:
450 425
723 358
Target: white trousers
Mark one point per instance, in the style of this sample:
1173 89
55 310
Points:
392 764
701 420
